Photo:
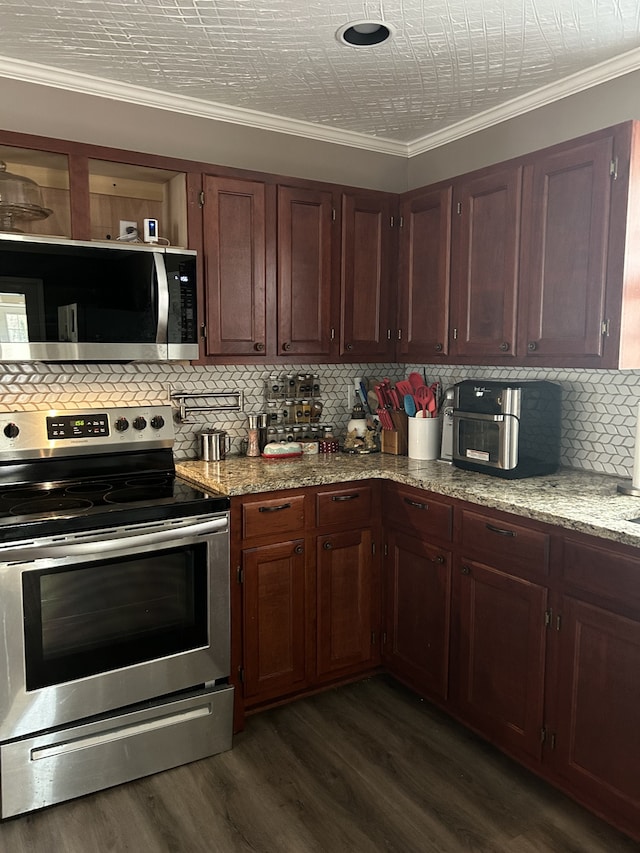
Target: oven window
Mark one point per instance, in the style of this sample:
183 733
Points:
110 614
480 440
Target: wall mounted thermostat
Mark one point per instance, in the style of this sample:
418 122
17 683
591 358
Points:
150 233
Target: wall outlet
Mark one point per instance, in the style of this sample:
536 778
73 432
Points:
127 223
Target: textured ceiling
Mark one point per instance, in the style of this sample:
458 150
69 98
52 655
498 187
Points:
450 60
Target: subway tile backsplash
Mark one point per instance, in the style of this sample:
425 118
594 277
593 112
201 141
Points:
599 407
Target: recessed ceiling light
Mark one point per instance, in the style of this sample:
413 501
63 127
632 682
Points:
364 33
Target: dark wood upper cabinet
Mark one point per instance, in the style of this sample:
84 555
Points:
486 235
234 257
366 326
425 257
306 271
567 206
532 262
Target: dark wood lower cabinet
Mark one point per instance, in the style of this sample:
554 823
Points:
502 657
308 591
418 614
274 620
597 743
346 633
525 633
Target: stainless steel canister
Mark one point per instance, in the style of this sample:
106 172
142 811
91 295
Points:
214 445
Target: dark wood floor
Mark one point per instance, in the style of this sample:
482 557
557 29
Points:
363 768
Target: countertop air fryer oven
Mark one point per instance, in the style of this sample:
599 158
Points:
507 429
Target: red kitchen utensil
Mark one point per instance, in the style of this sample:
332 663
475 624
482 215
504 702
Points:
395 399
385 419
404 387
427 402
416 381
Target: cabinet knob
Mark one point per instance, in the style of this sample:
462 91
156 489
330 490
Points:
259 347
504 346
299 549
349 347
466 570
438 347
327 546
439 560
532 346
286 346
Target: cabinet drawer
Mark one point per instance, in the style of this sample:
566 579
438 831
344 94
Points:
512 547
602 571
269 516
352 505
418 511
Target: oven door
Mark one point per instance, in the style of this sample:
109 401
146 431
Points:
101 620
485 441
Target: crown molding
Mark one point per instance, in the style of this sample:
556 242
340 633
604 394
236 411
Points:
571 85
31 72
45 75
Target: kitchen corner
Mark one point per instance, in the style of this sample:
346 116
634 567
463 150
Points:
574 500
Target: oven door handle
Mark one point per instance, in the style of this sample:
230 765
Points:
108 541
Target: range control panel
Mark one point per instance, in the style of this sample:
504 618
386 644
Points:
59 432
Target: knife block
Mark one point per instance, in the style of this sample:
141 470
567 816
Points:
395 441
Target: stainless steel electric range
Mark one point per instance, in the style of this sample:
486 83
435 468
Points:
114 606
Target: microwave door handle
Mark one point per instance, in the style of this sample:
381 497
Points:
162 333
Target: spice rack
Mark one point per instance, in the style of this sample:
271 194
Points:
294 407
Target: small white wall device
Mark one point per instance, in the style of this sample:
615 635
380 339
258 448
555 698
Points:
150 233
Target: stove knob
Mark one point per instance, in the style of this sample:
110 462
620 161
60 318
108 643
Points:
122 424
157 422
139 423
11 430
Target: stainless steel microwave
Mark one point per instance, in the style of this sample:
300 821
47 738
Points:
67 300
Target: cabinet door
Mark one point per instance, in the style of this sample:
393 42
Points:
306 307
366 266
566 206
345 630
425 251
486 235
598 737
235 266
274 620
418 614
502 656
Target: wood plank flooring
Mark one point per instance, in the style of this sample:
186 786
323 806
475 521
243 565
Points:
363 768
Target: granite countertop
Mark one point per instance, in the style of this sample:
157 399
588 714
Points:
572 499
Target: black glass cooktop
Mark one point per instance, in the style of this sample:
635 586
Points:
41 502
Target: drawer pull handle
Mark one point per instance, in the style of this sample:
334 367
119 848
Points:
327 546
501 531
416 504
345 497
274 508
